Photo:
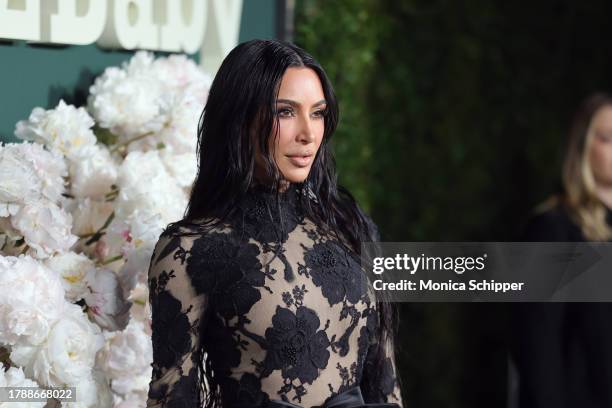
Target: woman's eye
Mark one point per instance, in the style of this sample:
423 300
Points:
319 114
604 137
285 112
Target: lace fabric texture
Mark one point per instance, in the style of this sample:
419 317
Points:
283 314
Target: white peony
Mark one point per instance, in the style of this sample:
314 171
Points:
88 215
93 174
130 101
126 359
31 300
29 173
180 73
19 182
72 268
106 304
45 227
14 377
65 129
183 168
92 392
160 194
67 356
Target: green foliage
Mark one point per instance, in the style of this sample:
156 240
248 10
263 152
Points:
453 122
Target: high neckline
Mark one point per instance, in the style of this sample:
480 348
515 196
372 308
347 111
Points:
292 191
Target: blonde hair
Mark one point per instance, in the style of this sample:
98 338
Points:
580 198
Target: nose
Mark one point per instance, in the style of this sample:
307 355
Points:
305 133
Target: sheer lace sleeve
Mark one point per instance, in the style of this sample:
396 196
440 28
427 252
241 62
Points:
379 381
176 314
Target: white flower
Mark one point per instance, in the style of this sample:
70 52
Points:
106 304
72 268
31 300
19 183
65 128
159 195
134 271
126 359
50 167
29 173
130 101
68 355
92 392
93 174
45 227
180 132
181 73
183 167
14 377
132 233
88 215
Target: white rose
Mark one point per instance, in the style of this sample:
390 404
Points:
45 227
65 128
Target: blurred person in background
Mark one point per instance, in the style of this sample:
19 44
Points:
563 351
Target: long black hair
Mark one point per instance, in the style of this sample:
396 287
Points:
240 113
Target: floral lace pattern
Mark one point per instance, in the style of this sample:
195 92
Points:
293 322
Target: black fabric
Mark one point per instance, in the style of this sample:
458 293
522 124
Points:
563 351
282 310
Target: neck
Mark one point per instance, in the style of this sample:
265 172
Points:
284 184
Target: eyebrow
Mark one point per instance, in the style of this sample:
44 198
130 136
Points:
296 104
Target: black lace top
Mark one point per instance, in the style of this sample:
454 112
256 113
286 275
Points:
292 322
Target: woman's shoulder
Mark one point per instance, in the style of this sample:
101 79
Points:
551 222
179 239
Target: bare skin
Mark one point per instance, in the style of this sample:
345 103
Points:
300 109
600 154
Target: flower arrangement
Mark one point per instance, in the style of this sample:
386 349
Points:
83 201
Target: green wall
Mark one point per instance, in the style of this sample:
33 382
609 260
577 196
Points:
34 75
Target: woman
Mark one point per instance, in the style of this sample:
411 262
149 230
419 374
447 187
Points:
563 352
257 295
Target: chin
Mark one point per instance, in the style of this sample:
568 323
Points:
296 176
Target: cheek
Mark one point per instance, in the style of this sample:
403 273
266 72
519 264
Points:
601 158
285 136
319 130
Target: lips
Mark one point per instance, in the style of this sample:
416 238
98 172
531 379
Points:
300 160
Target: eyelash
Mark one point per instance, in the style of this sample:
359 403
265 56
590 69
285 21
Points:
319 114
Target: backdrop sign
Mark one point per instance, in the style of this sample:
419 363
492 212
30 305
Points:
211 26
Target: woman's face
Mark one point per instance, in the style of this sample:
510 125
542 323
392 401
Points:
600 149
300 110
